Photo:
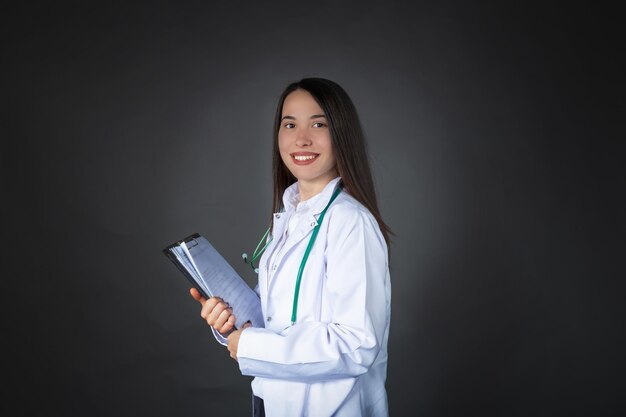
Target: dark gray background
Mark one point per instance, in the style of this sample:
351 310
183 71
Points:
497 140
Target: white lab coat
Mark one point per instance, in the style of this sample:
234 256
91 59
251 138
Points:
333 361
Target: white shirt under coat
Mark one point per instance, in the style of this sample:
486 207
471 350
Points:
333 361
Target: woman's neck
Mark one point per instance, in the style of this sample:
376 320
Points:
308 189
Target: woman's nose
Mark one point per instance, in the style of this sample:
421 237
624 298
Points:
302 138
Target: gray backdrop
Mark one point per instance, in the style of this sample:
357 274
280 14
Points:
496 135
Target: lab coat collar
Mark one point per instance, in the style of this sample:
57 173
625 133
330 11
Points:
309 210
315 204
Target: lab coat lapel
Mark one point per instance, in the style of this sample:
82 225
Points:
303 230
279 224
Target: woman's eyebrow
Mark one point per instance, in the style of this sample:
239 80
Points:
315 116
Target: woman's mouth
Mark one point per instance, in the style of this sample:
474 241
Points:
304 158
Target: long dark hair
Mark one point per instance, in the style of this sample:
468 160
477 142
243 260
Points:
348 143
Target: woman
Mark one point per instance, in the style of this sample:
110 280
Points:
323 350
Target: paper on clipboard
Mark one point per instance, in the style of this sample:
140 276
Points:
212 275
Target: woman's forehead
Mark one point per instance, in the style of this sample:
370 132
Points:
301 103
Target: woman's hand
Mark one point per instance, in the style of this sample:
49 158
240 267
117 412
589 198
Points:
216 312
233 340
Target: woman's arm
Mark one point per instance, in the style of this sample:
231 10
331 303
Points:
358 298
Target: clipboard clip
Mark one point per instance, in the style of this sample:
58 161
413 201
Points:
191 239
189 243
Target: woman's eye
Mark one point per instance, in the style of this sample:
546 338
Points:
318 124
289 125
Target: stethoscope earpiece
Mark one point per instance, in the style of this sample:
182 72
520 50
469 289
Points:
257 253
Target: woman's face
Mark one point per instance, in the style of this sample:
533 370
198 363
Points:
304 140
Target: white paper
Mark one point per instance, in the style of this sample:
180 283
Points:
217 278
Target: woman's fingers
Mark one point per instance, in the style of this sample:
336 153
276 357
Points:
221 319
228 325
217 313
197 296
213 305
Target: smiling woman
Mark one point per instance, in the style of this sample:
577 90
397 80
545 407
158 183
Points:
323 275
305 143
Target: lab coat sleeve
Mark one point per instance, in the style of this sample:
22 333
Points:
218 336
356 270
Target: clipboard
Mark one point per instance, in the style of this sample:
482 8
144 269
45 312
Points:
170 254
209 273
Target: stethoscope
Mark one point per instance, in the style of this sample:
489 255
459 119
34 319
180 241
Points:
258 252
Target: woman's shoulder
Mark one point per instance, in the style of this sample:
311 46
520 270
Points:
348 211
346 205
348 217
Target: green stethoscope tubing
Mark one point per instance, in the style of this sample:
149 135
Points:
257 253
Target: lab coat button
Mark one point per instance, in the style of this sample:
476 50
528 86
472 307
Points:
312 224
269 318
275 266
278 216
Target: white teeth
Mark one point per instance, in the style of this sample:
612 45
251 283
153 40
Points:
304 157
